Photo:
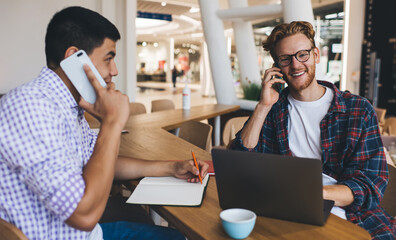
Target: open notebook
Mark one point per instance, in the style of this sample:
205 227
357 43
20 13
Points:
168 191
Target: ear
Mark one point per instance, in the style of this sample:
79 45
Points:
70 51
317 55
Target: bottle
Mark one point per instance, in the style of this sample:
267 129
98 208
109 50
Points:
186 97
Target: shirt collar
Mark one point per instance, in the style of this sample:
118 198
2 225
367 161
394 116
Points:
58 88
337 105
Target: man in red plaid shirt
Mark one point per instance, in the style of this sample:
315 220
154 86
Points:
312 118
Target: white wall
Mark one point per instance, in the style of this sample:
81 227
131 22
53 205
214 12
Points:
23 26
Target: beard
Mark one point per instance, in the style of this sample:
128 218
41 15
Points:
310 76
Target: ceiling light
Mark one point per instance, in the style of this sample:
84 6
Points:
194 10
155 44
144 44
331 16
163 4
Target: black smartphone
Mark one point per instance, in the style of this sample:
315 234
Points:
278 86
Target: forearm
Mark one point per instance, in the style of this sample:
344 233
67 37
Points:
128 168
98 175
342 195
251 132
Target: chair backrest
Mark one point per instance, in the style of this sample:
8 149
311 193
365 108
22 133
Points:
232 126
381 112
10 232
389 199
161 105
390 126
136 108
91 119
197 133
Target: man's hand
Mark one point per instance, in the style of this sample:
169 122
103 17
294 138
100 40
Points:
187 170
111 106
269 96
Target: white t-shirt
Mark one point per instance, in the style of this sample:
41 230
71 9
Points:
304 132
96 233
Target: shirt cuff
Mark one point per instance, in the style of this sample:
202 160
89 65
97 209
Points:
358 194
238 144
65 200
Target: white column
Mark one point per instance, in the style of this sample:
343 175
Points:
131 52
229 45
206 74
170 59
353 34
245 47
300 10
219 60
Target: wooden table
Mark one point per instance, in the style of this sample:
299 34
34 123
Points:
147 139
171 119
203 222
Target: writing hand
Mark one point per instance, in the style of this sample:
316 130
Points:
187 170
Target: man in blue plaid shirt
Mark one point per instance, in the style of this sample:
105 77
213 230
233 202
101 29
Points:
312 118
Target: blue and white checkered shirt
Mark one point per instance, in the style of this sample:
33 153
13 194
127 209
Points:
45 142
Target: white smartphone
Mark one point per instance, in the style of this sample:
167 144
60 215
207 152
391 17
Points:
73 68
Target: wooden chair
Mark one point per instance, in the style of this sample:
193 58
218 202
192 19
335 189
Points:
197 133
91 119
136 108
232 126
161 105
389 199
381 112
9 231
390 126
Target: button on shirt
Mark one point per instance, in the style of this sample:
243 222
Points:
45 142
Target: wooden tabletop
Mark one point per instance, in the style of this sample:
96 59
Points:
147 139
171 119
204 223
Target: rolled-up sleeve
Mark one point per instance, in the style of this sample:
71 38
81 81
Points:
366 171
65 200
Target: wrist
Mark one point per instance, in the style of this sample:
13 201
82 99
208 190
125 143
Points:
111 127
262 109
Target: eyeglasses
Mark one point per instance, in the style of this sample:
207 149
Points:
301 56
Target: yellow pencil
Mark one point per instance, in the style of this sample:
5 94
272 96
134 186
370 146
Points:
196 165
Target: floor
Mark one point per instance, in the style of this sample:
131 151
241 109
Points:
149 91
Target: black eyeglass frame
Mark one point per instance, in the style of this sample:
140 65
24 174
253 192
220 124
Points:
294 55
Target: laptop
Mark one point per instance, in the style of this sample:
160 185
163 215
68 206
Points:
276 186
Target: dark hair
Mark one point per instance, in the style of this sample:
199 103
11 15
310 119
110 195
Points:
284 30
79 27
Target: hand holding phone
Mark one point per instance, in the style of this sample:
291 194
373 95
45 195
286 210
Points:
73 68
278 86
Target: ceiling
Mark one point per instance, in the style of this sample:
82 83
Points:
185 26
